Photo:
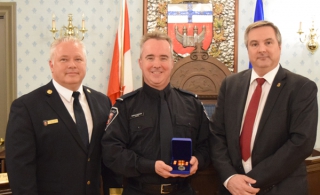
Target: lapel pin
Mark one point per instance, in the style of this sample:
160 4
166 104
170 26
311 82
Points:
49 122
88 90
49 91
279 84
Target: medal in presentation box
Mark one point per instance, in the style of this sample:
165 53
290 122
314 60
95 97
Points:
181 150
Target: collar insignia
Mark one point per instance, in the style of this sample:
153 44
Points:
50 122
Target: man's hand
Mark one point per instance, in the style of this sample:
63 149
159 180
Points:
241 185
163 169
194 165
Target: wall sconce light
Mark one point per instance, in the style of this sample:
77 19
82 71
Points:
312 44
69 30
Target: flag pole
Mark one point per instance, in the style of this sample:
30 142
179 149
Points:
258 15
122 20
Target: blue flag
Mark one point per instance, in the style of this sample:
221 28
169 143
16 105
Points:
258 15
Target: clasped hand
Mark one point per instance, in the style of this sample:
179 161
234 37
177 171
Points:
241 185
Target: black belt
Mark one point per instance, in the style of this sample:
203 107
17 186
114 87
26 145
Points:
158 188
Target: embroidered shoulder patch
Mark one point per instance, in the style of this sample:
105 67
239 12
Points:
112 115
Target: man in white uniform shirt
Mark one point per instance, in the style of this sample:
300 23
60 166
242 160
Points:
52 147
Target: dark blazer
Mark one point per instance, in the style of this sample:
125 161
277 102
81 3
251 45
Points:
51 158
285 137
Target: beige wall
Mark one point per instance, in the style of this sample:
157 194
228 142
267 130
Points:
3 105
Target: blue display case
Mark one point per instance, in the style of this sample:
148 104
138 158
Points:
181 150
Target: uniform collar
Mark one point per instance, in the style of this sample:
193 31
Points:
154 93
64 92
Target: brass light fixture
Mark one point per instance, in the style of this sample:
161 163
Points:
69 30
312 44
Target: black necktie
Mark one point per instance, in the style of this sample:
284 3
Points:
80 119
166 133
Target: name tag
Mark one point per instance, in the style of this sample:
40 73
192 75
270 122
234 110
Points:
137 115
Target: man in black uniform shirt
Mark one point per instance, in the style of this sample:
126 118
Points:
131 144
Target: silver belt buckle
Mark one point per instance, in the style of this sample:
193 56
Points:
161 191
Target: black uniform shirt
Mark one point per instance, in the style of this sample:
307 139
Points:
131 144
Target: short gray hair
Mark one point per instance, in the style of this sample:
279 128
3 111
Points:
158 36
262 23
75 40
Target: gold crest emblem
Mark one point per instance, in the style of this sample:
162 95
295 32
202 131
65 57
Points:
49 91
49 122
218 8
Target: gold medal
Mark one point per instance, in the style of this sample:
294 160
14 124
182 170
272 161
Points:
181 168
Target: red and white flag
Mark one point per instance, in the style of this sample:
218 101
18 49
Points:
120 80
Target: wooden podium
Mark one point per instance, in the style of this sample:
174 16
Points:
313 168
206 182
4 186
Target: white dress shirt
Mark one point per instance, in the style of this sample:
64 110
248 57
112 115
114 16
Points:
67 99
269 77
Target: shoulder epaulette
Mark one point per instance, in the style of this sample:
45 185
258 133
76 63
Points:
127 95
187 92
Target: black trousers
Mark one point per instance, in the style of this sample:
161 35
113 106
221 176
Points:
130 190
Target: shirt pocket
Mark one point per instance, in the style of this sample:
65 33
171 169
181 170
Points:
141 130
185 126
141 124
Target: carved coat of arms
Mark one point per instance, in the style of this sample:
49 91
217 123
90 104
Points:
189 24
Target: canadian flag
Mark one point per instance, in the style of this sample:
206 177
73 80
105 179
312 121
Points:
120 80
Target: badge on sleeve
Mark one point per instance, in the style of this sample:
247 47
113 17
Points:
112 115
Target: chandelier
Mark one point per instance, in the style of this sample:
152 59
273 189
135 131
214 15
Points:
69 30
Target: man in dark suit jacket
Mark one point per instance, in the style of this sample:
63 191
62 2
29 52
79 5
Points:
44 150
284 129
